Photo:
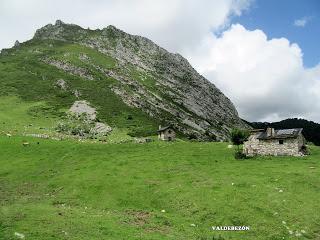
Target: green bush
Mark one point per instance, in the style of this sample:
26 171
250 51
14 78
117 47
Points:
77 125
239 155
238 136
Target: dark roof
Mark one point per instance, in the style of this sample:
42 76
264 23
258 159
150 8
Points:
164 128
281 134
256 130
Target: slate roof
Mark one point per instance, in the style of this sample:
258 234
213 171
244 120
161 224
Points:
281 134
164 128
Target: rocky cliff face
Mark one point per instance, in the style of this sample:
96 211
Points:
162 84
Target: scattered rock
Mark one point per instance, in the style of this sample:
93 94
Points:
84 57
68 67
62 84
17 44
76 93
59 23
142 140
83 107
101 129
19 235
37 135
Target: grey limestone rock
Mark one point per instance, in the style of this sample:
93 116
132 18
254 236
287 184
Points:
192 104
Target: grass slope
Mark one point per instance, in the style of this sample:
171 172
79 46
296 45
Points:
25 75
20 117
71 190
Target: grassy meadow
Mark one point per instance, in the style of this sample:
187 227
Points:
160 190
86 190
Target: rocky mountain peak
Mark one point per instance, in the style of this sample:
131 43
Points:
150 78
17 43
59 31
59 23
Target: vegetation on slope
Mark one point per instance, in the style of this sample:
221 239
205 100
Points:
24 75
134 84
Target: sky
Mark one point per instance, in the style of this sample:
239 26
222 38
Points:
263 54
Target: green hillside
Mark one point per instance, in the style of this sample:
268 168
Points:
58 184
70 190
25 76
133 84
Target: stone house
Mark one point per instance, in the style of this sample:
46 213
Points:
166 133
275 142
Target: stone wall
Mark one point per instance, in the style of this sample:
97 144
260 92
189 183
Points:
290 146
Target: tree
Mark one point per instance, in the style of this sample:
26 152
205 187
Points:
238 136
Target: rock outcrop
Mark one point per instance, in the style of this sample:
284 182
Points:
162 84
83 108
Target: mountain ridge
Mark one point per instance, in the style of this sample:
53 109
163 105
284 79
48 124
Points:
142 74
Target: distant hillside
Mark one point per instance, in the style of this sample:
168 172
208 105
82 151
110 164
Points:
311 130
131 82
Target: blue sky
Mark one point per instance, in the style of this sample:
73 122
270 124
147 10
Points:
276 18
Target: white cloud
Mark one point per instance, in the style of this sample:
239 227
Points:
265 78
174 24
301 22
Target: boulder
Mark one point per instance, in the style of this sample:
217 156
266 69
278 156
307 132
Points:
83 107
101 129
62 84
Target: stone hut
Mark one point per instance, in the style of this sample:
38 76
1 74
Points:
275 142
166 133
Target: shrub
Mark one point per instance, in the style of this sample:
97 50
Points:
238 136
239 155
192 136
76 125
211 136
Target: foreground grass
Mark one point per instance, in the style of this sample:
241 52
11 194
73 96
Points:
19 117
71 190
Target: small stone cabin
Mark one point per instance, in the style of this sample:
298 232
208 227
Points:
166 133
275 142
